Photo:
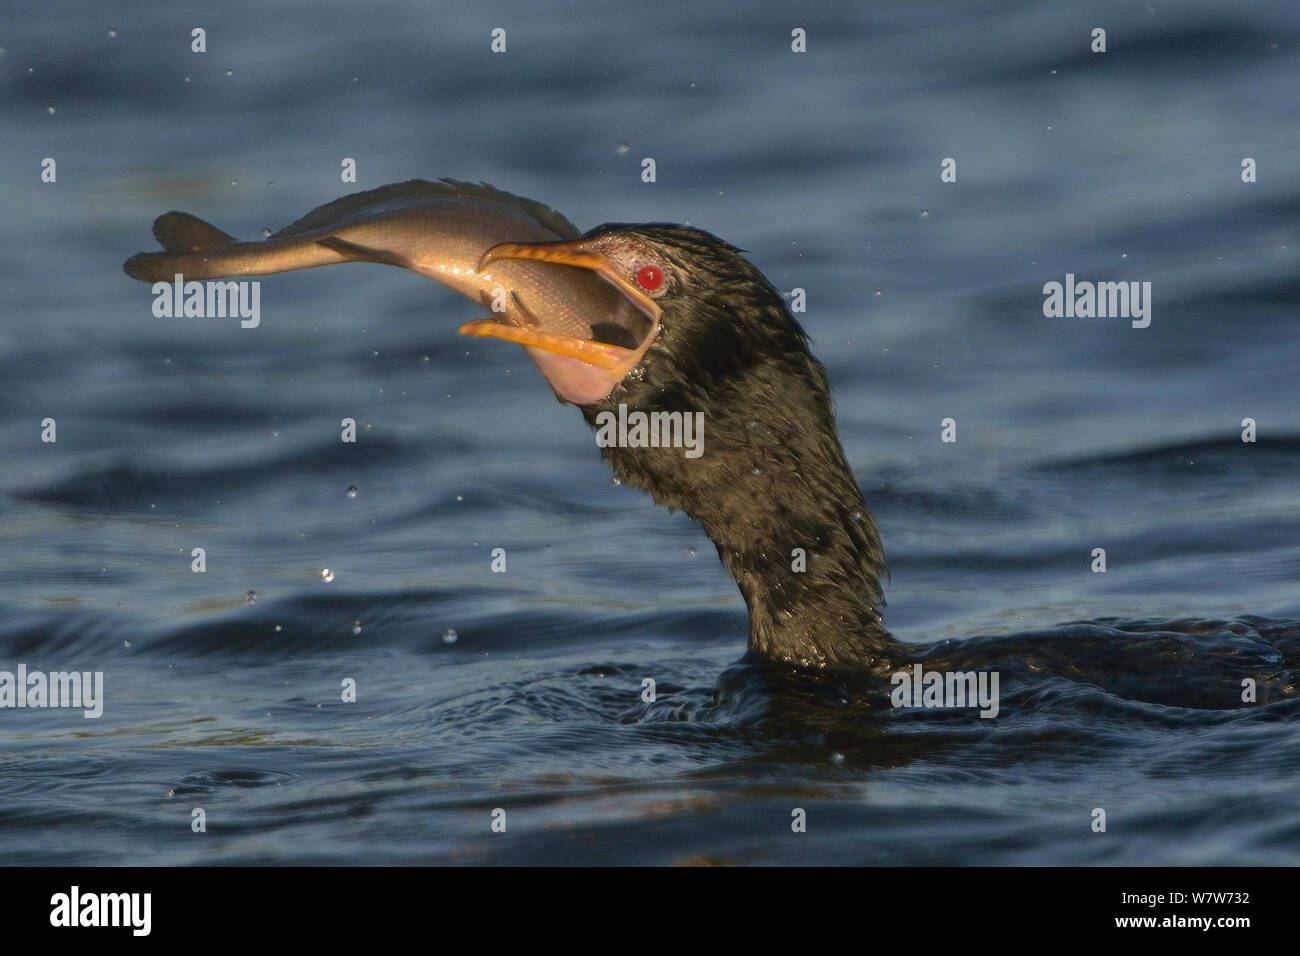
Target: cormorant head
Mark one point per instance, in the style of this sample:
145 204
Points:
704 315
716 407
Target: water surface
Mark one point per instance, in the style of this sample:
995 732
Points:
925 302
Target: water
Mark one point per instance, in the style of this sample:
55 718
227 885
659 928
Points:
224 688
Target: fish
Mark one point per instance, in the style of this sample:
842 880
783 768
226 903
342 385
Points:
444 231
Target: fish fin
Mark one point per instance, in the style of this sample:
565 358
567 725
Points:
356 253
181 232
551 218
330 215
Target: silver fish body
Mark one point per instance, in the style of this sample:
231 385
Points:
440 230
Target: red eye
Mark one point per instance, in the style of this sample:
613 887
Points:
650 277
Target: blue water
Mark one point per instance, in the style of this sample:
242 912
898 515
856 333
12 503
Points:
924 301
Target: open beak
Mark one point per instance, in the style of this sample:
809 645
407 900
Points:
581 370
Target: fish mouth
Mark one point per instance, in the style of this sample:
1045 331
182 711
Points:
581 370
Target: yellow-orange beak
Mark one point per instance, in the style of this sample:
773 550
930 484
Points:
604 364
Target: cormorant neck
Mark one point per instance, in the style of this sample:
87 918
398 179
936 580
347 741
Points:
804 550
771 489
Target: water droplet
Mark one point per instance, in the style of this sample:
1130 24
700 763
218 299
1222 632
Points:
837 758
187 79
111 33
50 109
171 791
352 491
230 72
234 182
1123 255
266 232
250 597
757 471
615 480
623 147
690 552
326 575
449 636
879 292
278 628
925 213
126 643
356 627
460 497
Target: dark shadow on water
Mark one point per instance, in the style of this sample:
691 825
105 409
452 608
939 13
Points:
1082 688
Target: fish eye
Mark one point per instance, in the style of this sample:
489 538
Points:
650 278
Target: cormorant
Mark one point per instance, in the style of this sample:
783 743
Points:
681 323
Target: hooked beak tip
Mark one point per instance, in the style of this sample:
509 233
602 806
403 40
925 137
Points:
541 252
489 256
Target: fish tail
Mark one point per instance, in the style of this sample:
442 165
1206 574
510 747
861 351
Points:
199 250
